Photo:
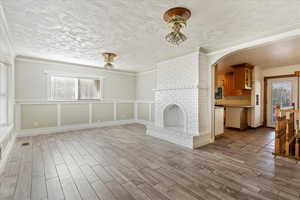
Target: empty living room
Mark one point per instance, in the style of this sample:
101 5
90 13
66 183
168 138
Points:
149 100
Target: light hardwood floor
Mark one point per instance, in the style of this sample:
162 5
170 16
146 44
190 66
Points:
122 163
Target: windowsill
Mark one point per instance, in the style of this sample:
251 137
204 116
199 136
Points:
81 100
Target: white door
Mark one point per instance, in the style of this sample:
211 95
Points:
282 91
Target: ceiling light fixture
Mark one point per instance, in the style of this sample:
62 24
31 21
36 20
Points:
109 59
176 19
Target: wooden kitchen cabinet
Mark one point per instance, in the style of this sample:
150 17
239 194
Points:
229 84
243 76
239 81
230 88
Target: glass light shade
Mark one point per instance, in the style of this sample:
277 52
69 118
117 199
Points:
108 66
176 18
176 38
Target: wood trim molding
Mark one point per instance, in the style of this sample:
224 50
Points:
280 76
265 101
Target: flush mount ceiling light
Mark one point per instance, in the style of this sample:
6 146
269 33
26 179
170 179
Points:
109 59
176 19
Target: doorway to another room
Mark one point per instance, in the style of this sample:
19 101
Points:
248 84
281 90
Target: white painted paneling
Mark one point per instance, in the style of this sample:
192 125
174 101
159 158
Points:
125 111
102 112
143 111
38 116
74 114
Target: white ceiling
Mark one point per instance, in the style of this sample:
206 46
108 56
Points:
80 30
280 53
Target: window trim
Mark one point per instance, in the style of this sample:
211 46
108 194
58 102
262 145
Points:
77 76
5 95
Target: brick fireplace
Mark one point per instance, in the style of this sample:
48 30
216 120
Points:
180 102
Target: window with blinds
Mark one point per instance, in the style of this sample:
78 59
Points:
88 89
70 88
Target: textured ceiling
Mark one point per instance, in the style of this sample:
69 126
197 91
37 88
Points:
79 30
281 53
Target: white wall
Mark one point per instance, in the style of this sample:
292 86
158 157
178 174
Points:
7 56
145 85
31 81
145 95
277 71
34 111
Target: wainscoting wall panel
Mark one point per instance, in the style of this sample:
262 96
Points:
38 116
125 111
143 111
74 114
41 117
152 112
102 112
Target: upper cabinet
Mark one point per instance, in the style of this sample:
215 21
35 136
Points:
239 81
229 85
243 76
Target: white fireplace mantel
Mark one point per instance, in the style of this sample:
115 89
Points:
180 81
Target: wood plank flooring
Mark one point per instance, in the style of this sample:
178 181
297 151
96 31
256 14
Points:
122 163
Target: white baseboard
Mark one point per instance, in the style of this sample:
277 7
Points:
41 131
144 122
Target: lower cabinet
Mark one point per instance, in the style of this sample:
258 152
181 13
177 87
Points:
236 117
219 120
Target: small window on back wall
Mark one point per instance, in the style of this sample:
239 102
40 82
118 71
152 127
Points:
89 89
72 89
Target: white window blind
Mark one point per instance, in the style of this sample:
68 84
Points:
89 89
63 88
70 88
3 94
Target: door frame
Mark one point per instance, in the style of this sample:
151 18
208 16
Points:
266 92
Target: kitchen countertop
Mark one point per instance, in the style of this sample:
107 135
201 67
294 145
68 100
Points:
236 106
